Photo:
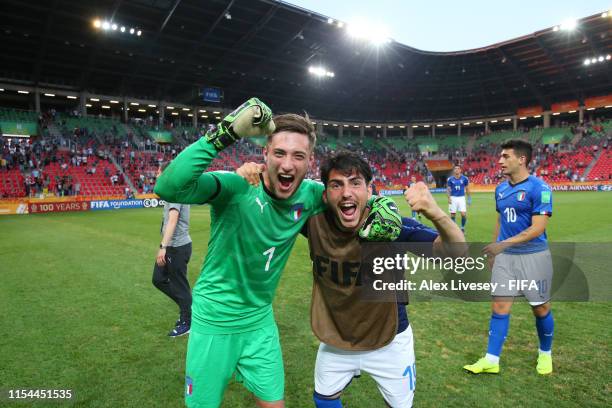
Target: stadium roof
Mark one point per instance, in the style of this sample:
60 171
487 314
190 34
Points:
264 48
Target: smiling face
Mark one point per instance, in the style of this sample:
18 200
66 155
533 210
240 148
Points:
288 156
346 195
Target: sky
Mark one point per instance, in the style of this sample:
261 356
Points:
434 25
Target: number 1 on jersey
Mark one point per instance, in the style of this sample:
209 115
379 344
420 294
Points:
270 253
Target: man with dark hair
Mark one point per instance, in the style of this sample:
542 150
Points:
252 233
520 148
374 337
520 254
170 270
457 187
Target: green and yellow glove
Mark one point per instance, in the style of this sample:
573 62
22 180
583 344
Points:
384 222
252 118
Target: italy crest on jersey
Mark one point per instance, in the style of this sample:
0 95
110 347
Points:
188 386
520 196
296 211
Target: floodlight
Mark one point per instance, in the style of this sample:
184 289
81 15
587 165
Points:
569 25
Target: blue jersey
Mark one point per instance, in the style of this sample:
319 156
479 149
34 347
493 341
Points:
457 185
516 204
412 231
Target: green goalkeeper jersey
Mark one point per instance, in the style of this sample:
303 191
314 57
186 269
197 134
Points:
251 237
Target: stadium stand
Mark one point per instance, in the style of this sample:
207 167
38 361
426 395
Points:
95 156
602 169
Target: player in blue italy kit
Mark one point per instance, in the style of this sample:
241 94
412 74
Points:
522 262
457 186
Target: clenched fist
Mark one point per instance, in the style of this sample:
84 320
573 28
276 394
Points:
420 199
252 118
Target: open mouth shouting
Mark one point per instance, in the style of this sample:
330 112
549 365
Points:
285 182
348 212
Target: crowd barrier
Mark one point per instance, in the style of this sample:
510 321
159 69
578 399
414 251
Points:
68 204
490 188
101 203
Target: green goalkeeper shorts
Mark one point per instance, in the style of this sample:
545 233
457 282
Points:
212 359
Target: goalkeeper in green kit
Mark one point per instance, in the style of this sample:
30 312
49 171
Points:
252 232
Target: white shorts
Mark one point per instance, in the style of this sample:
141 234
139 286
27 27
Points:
392 367
457 204
528 275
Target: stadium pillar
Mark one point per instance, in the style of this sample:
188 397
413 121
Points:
125 110
37 100
195 118
433 129
340 128
319 129
384 132
486 127
546 120
581 115
83 104
361 132
162 111
410 131
514 123
458 129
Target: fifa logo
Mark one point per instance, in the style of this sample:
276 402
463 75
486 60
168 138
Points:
340 273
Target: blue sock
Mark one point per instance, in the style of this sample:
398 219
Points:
498 330
463 221
414 215
324 402
546 328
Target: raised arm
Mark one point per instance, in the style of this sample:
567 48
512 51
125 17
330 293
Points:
450 239
184 182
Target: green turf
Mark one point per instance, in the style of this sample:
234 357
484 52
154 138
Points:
79 312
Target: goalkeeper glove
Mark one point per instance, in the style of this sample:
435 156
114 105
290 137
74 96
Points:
252 118
384 223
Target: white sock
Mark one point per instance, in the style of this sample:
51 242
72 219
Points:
493 359
549 352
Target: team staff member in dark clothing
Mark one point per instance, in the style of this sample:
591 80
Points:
170 271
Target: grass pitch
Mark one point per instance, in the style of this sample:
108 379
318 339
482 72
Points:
79 312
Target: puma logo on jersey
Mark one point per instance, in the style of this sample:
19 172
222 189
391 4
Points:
260 204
